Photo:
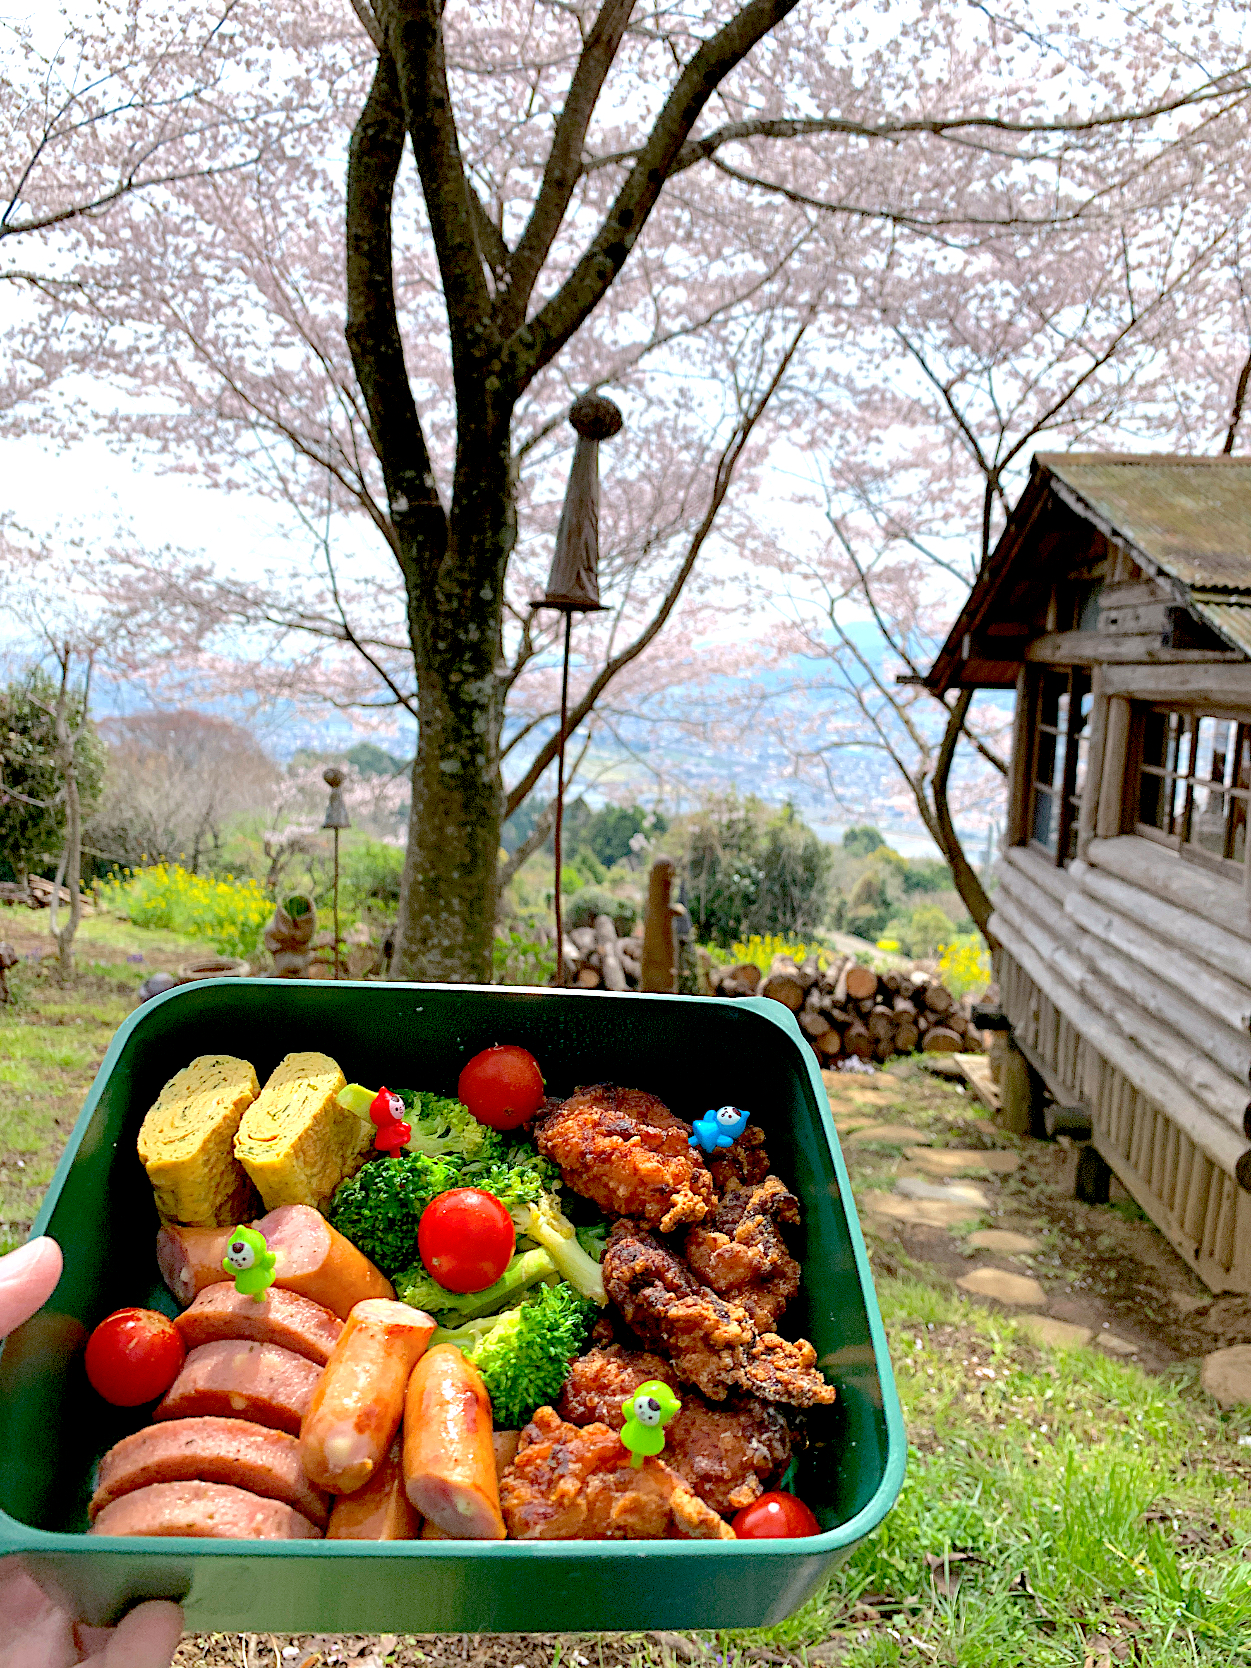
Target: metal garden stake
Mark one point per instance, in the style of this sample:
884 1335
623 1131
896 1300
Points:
573 583
336 818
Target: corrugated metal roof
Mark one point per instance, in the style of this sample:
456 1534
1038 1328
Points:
1231 619
1190 516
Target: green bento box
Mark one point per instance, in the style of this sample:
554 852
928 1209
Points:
694 1053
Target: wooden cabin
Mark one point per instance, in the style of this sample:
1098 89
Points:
1118 605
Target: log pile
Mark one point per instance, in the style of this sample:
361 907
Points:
596 959
38 894
849 1011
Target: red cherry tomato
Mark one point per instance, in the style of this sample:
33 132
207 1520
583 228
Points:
502 1086
774 1516
466 1238
133 1356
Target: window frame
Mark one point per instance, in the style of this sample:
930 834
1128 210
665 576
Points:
1078 689
1192 712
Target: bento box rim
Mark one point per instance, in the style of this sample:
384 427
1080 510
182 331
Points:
16 1536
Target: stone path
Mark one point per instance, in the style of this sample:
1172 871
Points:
947 1191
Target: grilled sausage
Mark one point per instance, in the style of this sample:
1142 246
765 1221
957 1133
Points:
281 1317
359 1400
449 1458
261 1382
210 1450
505 1445
214 1509
380 1510
311 1258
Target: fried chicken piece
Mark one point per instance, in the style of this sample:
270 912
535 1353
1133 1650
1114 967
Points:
742 1165
739 1252
573 1482
625 1150
785 1370
712 1344
661 1300
726 1455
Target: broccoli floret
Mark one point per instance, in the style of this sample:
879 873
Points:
517 1173
525 1269
524 1353
379 1207
594 1240
444 1128
525 1190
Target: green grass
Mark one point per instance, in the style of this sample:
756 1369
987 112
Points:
1050 1498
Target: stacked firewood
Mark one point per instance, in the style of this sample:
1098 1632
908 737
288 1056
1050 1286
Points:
595 958
849 1011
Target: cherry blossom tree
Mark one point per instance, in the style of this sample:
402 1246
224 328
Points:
686 208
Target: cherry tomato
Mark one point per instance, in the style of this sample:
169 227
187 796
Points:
466 1238
774 1516
133 1356
502 1086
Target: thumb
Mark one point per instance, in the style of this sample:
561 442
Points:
28 1277
146 1637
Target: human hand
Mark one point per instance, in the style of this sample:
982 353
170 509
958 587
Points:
37 1630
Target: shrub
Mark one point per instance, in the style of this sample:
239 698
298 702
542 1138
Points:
964 964
590 901
518 959
869 906
925 930
229 914
31 836
369 873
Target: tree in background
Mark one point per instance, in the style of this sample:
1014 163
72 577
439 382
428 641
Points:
708 197
174 781
33 809
747 870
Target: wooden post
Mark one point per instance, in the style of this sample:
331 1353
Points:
660 960
1112 785
1022 748
1094 762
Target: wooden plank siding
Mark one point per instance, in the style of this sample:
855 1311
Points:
1127 981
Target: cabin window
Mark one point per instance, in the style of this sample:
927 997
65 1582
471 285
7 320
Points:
1194 777
1058 777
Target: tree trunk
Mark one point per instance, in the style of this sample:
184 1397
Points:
448 890
970 888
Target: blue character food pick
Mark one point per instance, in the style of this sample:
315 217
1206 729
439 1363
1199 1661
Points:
251 1262
647 1412
719 1129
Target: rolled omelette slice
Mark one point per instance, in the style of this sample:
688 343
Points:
186 1144
295 1141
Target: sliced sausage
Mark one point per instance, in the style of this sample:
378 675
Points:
214 1509
449 1458
280 1317
210 1450
380 1510
505 1444
261 1382
312 1258
359 1400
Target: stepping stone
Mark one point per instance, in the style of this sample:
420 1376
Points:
1113 1345
1017 1289
845 1123
929 1213
1003 1240
1185 1303
1044 1329
1226 1374
913 1187
893 1135
949 1161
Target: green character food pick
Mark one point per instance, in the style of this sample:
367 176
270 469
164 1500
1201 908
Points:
647 1412
251 1262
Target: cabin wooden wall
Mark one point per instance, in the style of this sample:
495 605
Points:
1127 980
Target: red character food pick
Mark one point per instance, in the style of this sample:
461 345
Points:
133 1356
386 1111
